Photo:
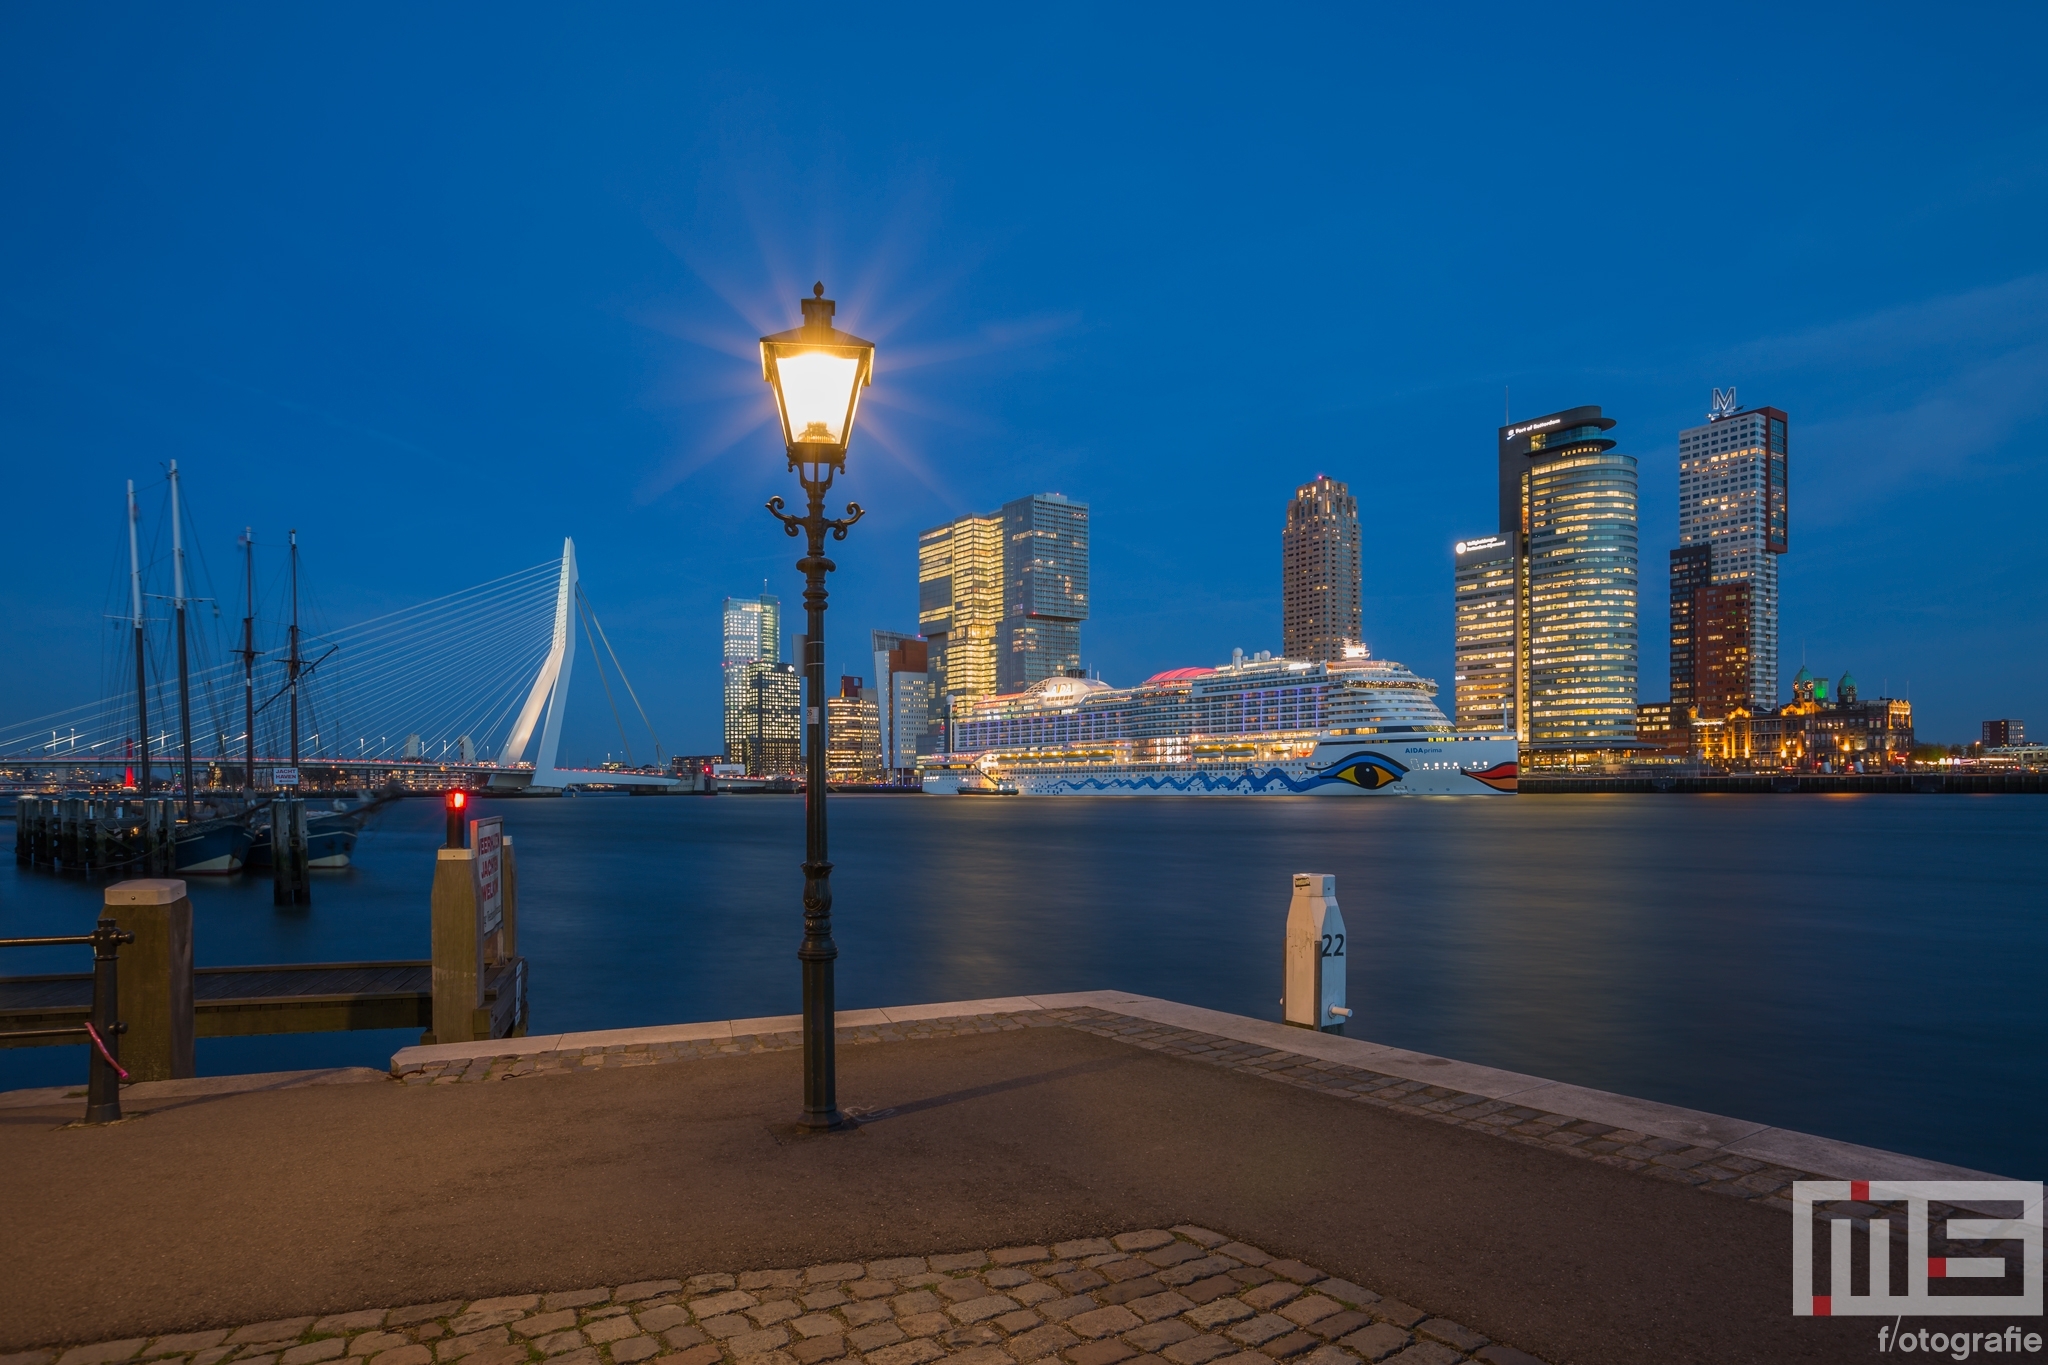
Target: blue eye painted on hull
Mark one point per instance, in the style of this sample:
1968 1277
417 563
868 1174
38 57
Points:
1370 771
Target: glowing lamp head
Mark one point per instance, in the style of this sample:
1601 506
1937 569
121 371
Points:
817 373
458 799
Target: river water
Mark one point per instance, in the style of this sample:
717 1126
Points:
1865 967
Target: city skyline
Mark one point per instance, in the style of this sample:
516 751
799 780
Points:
560 338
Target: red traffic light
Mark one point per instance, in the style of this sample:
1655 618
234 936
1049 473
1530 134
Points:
457 799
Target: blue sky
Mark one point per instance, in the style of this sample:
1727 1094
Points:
439 287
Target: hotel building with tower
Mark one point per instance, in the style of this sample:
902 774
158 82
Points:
1320 598
1568 533
1733 523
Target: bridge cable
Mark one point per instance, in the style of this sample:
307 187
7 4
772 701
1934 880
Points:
622 671
583 615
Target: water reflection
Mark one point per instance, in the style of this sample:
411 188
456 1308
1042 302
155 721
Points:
1863 967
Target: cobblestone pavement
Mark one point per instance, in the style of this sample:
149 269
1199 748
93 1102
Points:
1185 1297
1660 1158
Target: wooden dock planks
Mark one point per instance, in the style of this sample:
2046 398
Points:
314 997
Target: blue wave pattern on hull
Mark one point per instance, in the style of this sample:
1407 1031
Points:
1363 769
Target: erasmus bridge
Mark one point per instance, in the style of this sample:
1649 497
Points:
468 688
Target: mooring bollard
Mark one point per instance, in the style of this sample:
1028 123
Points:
1314 989
156 988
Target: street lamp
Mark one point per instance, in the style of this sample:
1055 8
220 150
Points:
817 373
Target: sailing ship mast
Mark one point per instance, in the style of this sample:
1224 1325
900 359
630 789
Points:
291 667
248 653
141 665
178 603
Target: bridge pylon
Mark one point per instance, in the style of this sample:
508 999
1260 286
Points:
550 691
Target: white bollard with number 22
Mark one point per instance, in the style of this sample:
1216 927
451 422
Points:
1315 956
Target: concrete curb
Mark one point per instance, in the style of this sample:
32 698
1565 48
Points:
1820 1156
196 1086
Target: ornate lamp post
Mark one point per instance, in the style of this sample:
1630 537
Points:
817 373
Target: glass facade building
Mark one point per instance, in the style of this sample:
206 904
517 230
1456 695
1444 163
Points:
902 696
763 696
764 717
1320 604
853 744
1691 574
1484 646
1576 679
1568 514
960 606
753 630
1045 594
1001 599
1733 500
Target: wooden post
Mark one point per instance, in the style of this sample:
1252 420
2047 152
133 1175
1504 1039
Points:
156 977
290 883
513 980
511 876
457 953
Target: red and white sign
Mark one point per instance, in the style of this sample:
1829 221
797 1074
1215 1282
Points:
487 843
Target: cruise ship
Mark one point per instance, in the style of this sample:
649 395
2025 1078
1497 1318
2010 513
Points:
1257 726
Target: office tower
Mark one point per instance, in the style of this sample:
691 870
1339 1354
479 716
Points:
763 696
753 629
1732 500
2000 734
1691 572
1576 601
959 606
902 695
764 717
1001 598
1319 583
853 744
1045 590
1484 643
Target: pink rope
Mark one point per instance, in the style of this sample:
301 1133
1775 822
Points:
94 1034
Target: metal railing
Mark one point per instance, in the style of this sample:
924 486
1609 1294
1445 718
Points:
102 1031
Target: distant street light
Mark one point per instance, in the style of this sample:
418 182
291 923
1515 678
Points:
817 373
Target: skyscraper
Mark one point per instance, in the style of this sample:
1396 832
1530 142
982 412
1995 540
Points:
1691 572
1576 599
902 696
1001 597
959 606
763 696
753 629
1733 488
853 749
1484 647
1724 616
1319 572
1045 590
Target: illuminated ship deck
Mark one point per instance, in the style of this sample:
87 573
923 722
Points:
1249 727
